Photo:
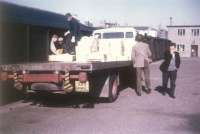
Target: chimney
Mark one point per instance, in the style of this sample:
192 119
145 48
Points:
171 22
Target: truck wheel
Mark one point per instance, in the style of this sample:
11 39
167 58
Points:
113 88
25 92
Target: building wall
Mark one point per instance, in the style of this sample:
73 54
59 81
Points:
162 33
185 40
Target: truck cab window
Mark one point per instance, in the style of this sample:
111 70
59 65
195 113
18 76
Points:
113 35
129 35
99 35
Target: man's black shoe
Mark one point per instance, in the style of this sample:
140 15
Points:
172 96
148 91
138 93
163 93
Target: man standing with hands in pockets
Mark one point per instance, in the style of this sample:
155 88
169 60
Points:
141 57
169 68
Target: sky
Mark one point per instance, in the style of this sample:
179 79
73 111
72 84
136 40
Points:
154 13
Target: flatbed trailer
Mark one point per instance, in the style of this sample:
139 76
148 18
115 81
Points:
98 79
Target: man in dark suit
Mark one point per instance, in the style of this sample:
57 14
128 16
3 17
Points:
67 42
74 28
169 69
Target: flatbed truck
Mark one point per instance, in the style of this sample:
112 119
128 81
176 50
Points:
99 79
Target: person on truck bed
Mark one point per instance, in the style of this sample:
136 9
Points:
141 57
56 45
74 28
67 42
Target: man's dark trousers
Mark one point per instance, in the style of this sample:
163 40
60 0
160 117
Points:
172 75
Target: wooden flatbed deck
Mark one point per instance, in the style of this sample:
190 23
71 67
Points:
65 66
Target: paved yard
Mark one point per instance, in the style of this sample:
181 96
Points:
130 114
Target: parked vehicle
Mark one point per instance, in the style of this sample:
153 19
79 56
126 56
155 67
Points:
103 63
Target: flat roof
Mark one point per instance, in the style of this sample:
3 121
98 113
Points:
184 26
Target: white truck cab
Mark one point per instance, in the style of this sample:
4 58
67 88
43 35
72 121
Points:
110 44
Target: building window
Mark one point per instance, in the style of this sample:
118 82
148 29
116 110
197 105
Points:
180 47
183 48
129 35
181 32
195 32
177 47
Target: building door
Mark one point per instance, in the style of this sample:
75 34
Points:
194 50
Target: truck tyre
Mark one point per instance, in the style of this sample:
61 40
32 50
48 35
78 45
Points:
25 92
113 88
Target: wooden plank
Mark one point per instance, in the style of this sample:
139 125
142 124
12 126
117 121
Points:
62 66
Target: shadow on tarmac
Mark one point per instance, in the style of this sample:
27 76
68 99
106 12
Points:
8 94
45 99
191 125
163 91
